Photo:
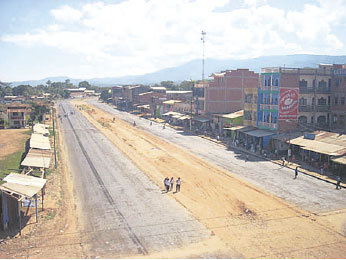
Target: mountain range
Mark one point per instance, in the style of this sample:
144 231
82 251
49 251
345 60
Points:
192 70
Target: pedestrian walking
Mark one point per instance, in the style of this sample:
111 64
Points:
246 157
283 161
172 183
338 181
296 173
177 187
151 123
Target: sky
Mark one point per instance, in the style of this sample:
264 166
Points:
93 39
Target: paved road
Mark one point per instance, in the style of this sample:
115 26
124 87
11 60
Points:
306 192
124 212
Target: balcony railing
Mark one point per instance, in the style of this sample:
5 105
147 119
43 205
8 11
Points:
310 108
319 90
17 117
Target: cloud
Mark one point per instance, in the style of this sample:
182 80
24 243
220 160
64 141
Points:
66 13
139 36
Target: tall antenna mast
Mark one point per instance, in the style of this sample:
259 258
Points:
203 41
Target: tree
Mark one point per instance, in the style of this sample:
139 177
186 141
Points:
106 94
49 83
168 84
84 84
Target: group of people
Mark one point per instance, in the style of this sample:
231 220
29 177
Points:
169 183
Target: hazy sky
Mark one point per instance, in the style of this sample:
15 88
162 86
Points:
85 39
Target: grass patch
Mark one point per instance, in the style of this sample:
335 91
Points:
11 163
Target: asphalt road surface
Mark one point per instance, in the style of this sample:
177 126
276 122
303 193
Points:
305 192
122 212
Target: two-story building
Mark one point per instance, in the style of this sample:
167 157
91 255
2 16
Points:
17 114
338 102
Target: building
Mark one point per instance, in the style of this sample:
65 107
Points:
17 114
199 92
77 92
225 94
315 96
182 95
338 103
250 106
277 106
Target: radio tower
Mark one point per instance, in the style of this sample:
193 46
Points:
203 41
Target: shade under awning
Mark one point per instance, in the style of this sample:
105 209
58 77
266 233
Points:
259 133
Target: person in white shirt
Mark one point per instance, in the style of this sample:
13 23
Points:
177 188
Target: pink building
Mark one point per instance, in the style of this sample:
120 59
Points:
225 94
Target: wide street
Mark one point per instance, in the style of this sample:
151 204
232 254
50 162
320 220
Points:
117 171
305 192
123 212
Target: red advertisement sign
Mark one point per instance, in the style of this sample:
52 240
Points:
288 103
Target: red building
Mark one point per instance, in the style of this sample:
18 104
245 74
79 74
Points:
225 94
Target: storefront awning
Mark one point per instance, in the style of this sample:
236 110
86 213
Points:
318 146
259 133
341 160
246 129
201 119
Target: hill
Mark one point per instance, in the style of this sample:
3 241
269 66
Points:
193 69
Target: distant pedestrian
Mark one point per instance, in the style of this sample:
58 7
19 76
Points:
177 187
296 173
167 184
172 183
246 157
151 123
283 161
134 123
338 181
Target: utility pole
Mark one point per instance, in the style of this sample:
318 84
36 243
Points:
203 41
53 115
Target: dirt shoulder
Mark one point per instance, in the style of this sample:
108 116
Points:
243 218
56 235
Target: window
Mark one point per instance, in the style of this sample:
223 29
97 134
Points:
342 101
322 84
312 120
336 100
303 101
337 82
313 101
303 83
329 83
255 99
322 101
247 115
342 119
248 98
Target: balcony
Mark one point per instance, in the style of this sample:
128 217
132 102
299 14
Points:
305 90
322 108
305 108
323 90
310 108
319 90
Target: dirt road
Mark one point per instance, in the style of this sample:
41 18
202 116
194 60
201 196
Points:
244 217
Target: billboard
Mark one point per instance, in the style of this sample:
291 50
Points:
288 103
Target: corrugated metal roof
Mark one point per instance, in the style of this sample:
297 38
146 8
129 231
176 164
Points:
341 160
25 180
259 133
317 146
23 185
41 129
33 161
39 141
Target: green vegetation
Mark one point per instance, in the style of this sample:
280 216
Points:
11 163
